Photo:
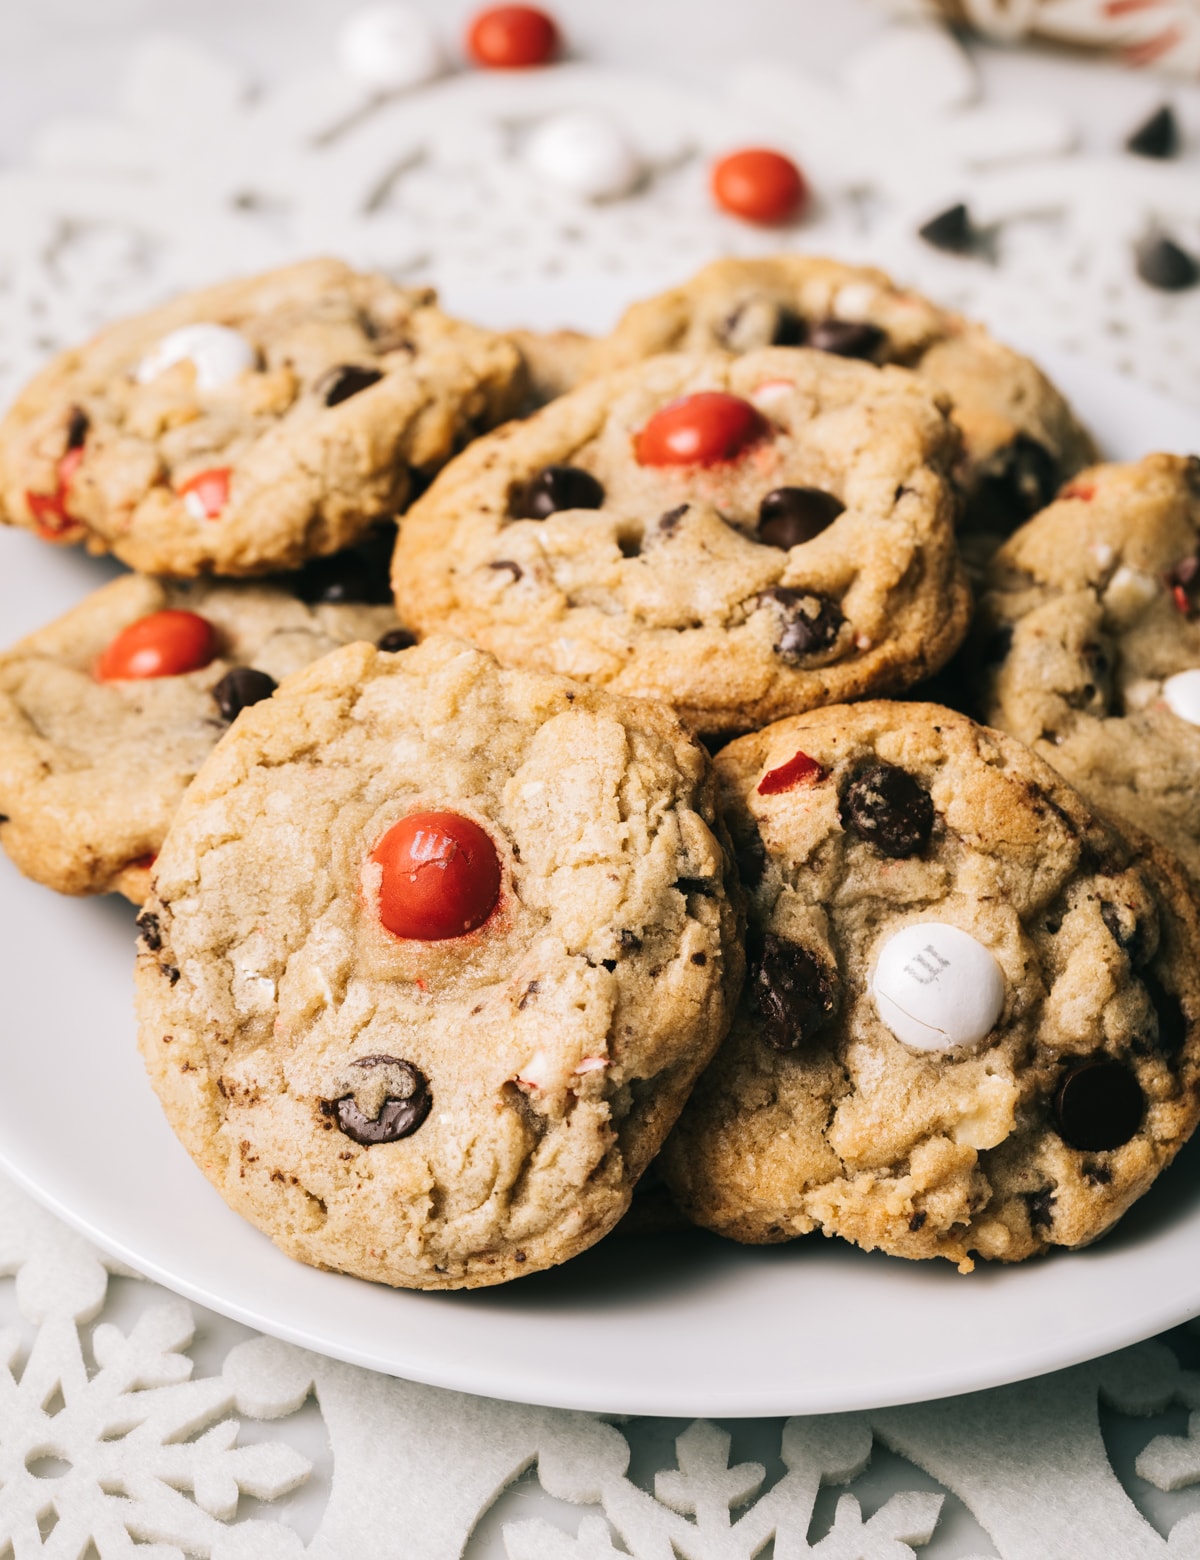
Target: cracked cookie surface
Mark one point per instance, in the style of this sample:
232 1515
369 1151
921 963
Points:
815 565
1091 613
92 771
331 390
1038 1132
546 1052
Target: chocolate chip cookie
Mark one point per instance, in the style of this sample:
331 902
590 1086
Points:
243 429
1020 437
742 537
1088 646
434 953
107 714
971 1023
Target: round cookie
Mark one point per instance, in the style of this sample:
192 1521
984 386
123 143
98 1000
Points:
437 1112
810 560
1020 437
245 428
1089 640
970 1023
92 770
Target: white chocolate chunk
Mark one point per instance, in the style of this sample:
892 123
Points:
584 153
936 988
390 47
1182 695
218 354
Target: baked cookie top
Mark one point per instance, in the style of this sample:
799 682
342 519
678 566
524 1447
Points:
245 428
970 1024
1020 437
434 953
1088 647
740 537
107 714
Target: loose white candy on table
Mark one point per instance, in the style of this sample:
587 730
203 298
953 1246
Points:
937 988
586 154
218 353
390 47
1182 695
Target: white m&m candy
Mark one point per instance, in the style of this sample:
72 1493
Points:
218 354
1181 694
936 988
390 47
585 154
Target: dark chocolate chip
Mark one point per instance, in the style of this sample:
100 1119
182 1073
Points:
704 886
1172 1022
846 338
997 645
344 578
1125 929
151 930
1096 1175
917 1222
790 329
1157 136
951 230
554 488
1017 481
1098 1105
241 687
630 941
791 992
513 568
170 972
340 383
889 809
1041 1208
809 622
1162 264
78 424
668 523
791 516
760 322
398 1117
396 639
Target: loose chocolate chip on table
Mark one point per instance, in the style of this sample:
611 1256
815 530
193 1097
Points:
950 230
1017 481
1162 264
846 338
340 383
344 578
1157 136
1098 1105
809 622
78 424
400 1114
396 639
241 687
791 992
889 809
790 516
1041 1208
554 488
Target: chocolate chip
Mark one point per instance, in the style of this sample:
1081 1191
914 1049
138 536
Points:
791 516
78 424
917 1222
889 809
241 687
790 330
951 230
513 568
668 523
1157 136
760 322
399 1116
700 959
343 579
687 885
151 930
554 488
1041 1208
396 639
791 992
608 964
630 941
846 338
1098 1105
170 972
1017 481
1125 929
1162 264
531 990
340 383
1095 1174
808 622
1172 1022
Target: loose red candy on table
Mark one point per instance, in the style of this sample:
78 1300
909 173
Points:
512 37
700 430
759 185
206 494
165 644
440 876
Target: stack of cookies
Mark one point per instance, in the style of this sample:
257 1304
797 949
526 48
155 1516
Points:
584 822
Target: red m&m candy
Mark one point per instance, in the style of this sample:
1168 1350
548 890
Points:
206 494
759 185
440 876
512 37
165 644
700 430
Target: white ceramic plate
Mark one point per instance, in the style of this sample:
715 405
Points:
685 1325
